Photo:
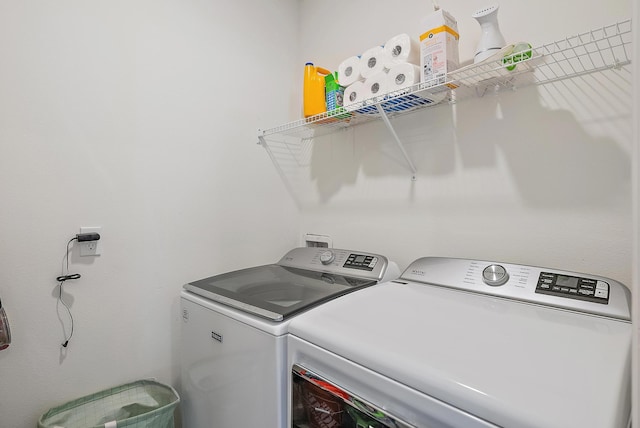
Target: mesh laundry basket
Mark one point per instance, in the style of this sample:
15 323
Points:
141 404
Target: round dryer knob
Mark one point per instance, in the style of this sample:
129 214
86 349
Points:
327 257
495 275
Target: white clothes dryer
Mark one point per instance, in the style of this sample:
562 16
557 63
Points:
233 341
459 343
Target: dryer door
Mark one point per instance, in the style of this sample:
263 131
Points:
318 403
327 390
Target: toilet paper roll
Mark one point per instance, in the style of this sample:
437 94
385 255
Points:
349 71
402 76
372 61
400 79
354 95
376 86
400 49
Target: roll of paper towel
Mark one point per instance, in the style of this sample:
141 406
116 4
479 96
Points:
372 61
400 49
349 71
376 86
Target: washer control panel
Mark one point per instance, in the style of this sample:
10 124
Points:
341 262
573 287
585 293
361 261
353 260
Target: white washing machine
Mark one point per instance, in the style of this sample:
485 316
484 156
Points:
233 340
464 343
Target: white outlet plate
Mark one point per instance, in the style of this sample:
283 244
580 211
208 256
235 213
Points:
91 248
313 240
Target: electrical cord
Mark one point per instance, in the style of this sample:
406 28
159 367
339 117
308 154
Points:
66 276
61 279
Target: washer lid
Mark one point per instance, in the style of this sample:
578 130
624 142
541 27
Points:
511 363
303 278
275 292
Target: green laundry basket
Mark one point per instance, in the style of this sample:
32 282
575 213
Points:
140 404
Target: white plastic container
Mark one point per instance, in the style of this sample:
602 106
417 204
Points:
438 47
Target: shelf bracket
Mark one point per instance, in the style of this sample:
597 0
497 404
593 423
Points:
389 126
263 142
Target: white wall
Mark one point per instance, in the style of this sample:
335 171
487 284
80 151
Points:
636 218
540 175
140 117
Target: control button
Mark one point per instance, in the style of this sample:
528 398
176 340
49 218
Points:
547 281
588 281
573 291
495 275
603 294
601 285
585 292
545 286
556 288
327 257
374 261
564 289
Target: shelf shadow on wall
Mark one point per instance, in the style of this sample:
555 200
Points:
350 159
547 138
560 144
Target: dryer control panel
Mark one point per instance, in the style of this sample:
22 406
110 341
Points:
550 287
573 287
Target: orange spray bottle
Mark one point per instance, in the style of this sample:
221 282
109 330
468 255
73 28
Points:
313 95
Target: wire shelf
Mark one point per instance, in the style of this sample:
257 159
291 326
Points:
593 51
